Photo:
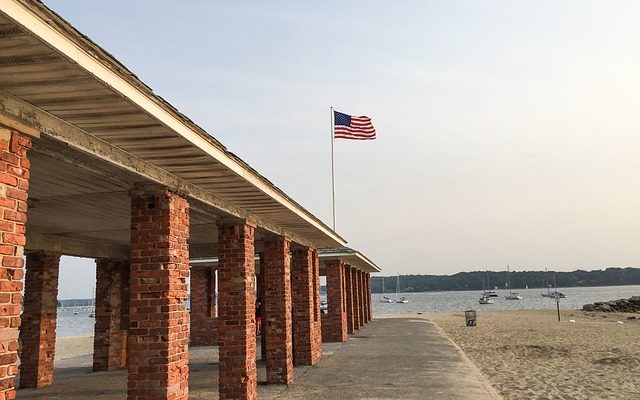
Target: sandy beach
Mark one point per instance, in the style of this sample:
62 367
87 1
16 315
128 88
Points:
73 346
530 355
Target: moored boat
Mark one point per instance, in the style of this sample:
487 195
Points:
512 295
485 300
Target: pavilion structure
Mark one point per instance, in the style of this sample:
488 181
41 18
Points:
94 164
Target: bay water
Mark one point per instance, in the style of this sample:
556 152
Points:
80 324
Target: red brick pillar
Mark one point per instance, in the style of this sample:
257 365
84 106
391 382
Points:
202 314
306 316
14 183
260 292
336 321
365 286
348 280
369 309
112 299
159 323
317 327
357 300
236 327
38 332
277 312
361 296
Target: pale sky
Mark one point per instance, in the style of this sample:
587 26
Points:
508 131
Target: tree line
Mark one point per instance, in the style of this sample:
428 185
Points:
478 280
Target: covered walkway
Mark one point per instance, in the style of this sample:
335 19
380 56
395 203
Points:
405 357
94 164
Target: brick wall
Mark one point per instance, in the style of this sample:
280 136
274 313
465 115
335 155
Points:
112 299
38 331
159 323
204 324
14 184
306 320
236 327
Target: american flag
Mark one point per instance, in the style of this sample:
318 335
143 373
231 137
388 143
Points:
350 127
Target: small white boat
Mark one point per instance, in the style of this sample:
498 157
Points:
553 294
402 300
485 300
385 299
513 296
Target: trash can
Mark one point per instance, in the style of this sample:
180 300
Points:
470 317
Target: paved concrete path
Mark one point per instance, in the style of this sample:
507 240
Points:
391 358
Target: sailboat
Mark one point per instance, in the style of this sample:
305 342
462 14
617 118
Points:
549 293
401 300
92 314
512 295
488 293
384 298
485 298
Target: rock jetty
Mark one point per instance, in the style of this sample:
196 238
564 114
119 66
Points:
630 305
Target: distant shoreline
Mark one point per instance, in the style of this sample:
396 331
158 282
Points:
479 280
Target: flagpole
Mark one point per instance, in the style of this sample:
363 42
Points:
333 172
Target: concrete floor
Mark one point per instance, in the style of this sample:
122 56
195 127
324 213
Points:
391 358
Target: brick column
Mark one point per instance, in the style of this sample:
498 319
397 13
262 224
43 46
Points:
202 315
357 300
159 323
336 321
260 292
366 298
306 317
361 296
14 183
348 280
38 332
236 327
369 309
112 300
317 327
277 312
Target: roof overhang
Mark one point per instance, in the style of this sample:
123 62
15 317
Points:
349 256
62 85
